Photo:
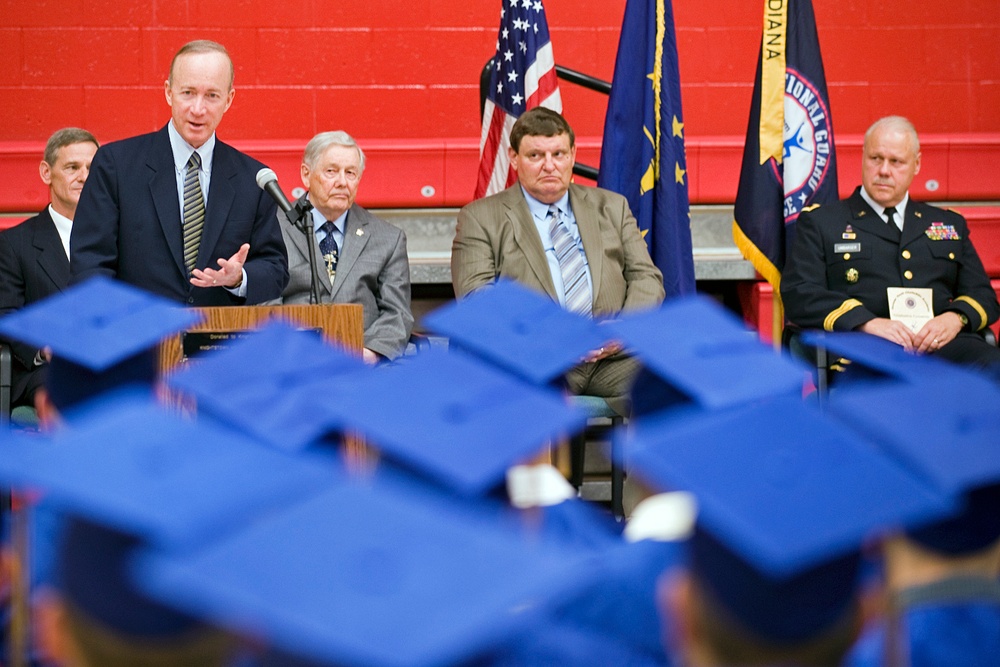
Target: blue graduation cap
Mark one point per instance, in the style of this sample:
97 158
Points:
695 353
455 419
141 469
786 498
519 330
276 384
103 334
372 573
873 359
944 427
130 473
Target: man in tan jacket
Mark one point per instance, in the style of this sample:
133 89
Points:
579 245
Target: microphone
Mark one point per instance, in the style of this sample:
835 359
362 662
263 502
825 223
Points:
267 181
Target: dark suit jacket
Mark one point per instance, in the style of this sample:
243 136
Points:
496 237
33 266
827 284
372 270
128 223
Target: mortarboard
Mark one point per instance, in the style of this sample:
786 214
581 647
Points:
103 334
455 419
786 499
517 329
944 427
135 466
372 573
130 472
696 353
275 384
873 359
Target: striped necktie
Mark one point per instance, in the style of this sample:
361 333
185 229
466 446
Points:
574 271
328 246
194 212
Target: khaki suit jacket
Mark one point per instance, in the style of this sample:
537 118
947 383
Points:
496 237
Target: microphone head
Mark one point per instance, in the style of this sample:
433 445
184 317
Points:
265 176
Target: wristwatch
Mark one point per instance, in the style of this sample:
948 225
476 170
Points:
964 319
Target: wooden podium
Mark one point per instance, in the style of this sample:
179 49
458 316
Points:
341 324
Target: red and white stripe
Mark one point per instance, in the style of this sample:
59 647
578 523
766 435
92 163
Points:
542 89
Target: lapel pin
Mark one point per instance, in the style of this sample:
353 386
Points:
360 232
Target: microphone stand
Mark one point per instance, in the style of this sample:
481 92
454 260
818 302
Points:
301 218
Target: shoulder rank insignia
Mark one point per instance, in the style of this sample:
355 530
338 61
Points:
852 275
938 231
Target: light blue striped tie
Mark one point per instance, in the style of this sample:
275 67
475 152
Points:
194 212
574 271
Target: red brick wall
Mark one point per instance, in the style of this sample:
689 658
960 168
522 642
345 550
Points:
407 72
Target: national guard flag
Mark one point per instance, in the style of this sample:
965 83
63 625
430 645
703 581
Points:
642 156
789 161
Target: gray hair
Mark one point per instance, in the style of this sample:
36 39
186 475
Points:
322 141
66 137
895 123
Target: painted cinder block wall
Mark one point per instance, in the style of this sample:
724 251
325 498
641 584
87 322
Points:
403 78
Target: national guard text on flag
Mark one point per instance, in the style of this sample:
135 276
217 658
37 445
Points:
789 161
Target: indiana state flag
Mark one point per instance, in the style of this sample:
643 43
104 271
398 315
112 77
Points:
789 161
643 153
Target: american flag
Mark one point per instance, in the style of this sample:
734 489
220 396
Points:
523 77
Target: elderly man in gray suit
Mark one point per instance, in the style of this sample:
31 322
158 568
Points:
579 245
361 259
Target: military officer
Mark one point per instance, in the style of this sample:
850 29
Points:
846 257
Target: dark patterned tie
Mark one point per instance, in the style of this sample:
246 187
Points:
889 215
328 248
194 212
574 271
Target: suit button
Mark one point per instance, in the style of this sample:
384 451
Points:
190 299
847 255
908 275
906 254
951 255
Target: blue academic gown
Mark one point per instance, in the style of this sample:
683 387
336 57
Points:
958 627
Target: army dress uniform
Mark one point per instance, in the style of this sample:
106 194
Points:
845 256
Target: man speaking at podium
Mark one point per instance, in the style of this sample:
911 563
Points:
177 212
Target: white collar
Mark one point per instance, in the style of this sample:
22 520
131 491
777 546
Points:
182 150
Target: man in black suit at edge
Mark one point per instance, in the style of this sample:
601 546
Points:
34 255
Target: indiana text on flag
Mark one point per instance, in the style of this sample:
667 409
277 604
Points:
789 161
523 76
642 156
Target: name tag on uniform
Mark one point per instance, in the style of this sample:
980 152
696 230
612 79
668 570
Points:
846 247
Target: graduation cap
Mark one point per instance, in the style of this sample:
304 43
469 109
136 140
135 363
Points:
129 472
455 419
373 573
786 499
275 384
517 329
103 334
695 353
874 359
944 427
